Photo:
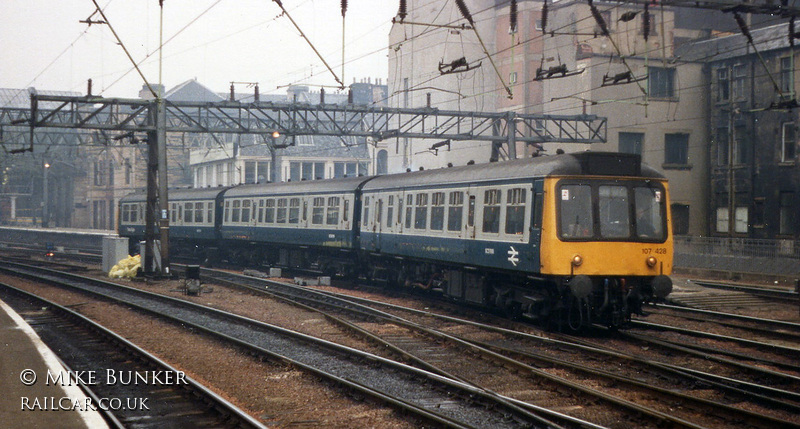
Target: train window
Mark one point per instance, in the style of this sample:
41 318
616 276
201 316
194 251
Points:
317 210
346 211
198 212
173 213
515 211
648 202
281 212
421 212
246 210
491 211
333 211
260 211
180 212
390 211
269 213
210 212
378 211
188 212
236 211
366 212
294 210
455 211
576 211
399 210
614 209
409 210
437 211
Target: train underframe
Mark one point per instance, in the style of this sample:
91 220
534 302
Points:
565 303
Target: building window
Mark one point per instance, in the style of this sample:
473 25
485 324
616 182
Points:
787 76
512 78
722 145
786 223
661 82
249 172
680 219
740 152
631 142
722 219
758 212
741 220
676 148
723 85
789 143
739 82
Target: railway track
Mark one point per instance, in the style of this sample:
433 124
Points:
431 397
409 339
165 397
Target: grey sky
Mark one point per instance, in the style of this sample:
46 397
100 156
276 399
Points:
43 44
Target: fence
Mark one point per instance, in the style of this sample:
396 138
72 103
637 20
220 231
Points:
739 255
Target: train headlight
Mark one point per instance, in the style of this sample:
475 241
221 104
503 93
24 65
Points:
651 261
577 260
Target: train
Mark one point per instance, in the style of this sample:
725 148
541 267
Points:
571 240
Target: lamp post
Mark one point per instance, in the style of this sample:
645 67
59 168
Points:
45 202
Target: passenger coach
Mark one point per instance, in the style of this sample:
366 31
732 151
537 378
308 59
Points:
578 238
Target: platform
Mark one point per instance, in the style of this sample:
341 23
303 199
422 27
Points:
27 404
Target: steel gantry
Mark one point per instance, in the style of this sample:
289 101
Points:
157 117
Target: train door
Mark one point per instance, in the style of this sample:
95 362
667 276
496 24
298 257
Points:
471 208
537 207
377 226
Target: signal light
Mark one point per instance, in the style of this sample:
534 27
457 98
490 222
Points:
276 134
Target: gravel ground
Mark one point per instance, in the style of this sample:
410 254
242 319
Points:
276 394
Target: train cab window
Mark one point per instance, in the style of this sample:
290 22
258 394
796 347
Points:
332 217
246 210
437 211
390 212
455 210
491 211
269 212
409 209
515 211
366 212
281 212
421 212
236 211
648 202
188 212
317 210
614 208
576 211
294 210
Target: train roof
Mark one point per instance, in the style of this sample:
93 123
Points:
180 194
573 164
348 184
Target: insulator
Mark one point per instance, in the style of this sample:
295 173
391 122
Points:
512 16
544 16
464 11
344 7
402 12
599 18
743 27
646 22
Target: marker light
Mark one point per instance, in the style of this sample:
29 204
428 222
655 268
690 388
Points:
651 261
577 260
